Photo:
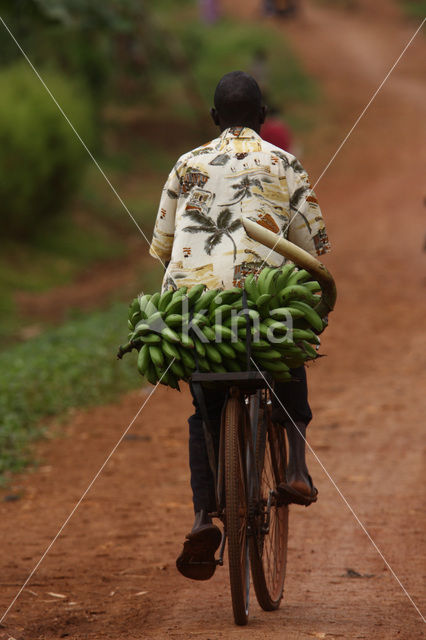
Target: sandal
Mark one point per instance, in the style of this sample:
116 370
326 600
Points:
289 495
197 560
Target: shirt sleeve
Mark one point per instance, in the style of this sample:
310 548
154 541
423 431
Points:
306 225
164 229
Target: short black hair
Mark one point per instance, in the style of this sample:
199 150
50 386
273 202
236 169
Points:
237 97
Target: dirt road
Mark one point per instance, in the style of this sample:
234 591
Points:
111 574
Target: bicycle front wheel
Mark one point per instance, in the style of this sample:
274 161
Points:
236 512
268 544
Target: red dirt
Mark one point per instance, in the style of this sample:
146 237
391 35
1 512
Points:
115 561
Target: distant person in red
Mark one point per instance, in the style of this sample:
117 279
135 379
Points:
209 11
275 131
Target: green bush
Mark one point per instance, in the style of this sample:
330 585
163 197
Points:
41 160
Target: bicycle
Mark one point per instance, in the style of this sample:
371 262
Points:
251 461
250 465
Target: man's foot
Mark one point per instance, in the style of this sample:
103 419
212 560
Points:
197 558
298 492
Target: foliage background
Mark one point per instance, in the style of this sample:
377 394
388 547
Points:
136 79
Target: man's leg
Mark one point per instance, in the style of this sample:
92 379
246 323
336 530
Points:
202 484
197 558
295 417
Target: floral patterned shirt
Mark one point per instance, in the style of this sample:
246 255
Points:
198 227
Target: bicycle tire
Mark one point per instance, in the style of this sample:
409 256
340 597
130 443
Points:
268 551
236 512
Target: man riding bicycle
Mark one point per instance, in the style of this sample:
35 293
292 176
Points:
199 233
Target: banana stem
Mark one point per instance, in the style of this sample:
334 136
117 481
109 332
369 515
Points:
125 348
300 257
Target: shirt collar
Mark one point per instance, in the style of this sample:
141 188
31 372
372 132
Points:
239 132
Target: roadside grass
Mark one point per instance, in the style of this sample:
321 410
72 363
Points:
73 365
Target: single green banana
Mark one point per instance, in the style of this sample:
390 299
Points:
228 296
200 347
143 360
239 346
270 281
204 365
182 290
305 334
187 359
313 286
283 276
268 354
155 299
283 313
170 336
295 292
238 305
173 380
151 374
209 333
222 333
298 277
225 350
154 318
220 313
143 301
174 320
263 304
260 345
170 350
175 306
235 321
250 285
272 365
212 353
186 341
151 338
194 294
165 299
262 280
204 301
310 314
283 377
141 329
177 368
134 306
156 355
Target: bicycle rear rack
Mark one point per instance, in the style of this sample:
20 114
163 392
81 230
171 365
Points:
249 381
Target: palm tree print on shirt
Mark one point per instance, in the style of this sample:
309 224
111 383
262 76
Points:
243 189
216 230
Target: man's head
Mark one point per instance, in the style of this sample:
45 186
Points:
238 102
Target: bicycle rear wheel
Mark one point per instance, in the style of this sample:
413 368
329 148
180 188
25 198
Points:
268 544
236 513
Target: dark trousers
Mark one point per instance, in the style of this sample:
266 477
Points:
293 396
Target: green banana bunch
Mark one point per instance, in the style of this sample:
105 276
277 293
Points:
178 332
